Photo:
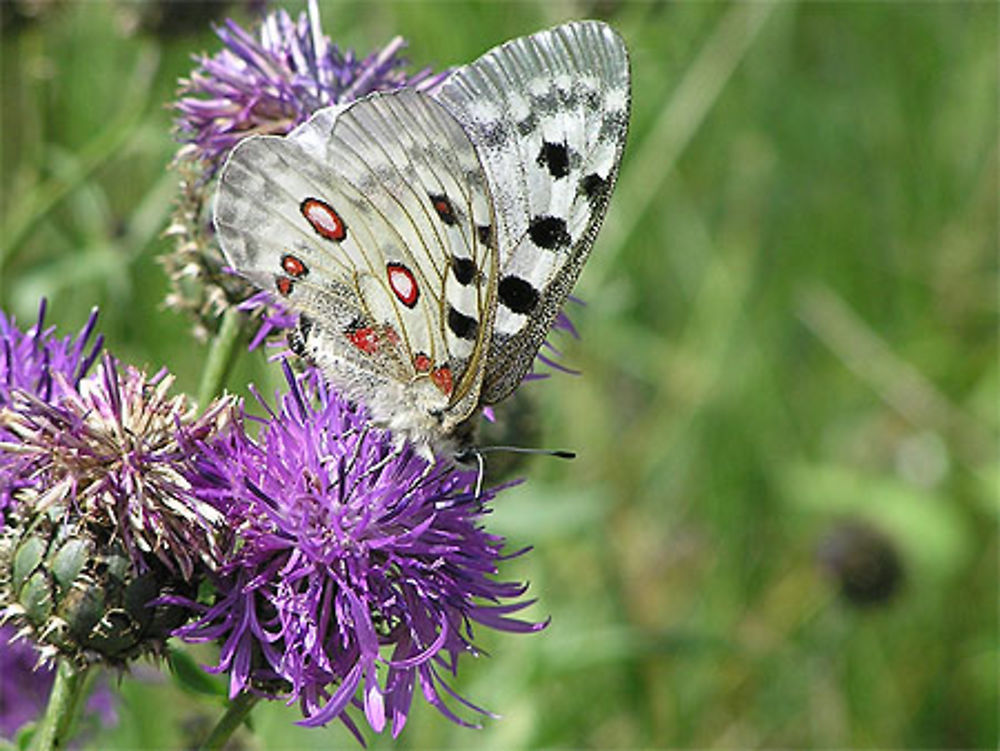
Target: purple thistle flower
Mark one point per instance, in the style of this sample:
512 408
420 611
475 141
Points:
112 450
29 361
274 82
356 566
548 354
275 319
25 682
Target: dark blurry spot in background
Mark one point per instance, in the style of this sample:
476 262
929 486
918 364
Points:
863 561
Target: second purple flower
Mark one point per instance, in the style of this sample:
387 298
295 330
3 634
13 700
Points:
357 570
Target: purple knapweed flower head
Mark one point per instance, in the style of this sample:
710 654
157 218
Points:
272 82
357 570
264 82
25 682
29 360
103 521
111 450
275 320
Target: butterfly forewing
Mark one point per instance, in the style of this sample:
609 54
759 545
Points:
358 219
548 114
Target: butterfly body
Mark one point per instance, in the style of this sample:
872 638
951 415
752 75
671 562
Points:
429 240
414 407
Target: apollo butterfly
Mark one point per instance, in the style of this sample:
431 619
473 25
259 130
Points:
429 240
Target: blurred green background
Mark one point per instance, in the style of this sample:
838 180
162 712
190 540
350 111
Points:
781 530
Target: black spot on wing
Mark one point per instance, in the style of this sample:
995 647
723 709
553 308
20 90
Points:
517 294
484 231
305 326
462 325
554 156
443 208
464 270
548 232
594 187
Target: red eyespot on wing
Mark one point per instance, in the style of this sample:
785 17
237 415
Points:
442 379
284 285
422 363
293 266
403 284
323 219
364 339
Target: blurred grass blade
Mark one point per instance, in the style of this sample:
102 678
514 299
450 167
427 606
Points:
679 119
37 203
897 382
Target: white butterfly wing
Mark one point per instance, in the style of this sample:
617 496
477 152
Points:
373 221
548 114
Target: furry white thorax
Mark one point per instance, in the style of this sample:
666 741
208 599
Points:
412 414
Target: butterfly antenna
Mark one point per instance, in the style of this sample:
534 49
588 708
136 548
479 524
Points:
478 451
558 453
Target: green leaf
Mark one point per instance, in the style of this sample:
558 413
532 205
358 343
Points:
23 739
190 676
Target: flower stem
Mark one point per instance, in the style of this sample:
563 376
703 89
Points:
236 713
221 357
67 696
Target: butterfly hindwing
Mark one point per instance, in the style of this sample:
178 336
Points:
366 221
548 114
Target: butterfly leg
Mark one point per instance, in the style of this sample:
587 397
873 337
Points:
357 450
423 478
380 464
480 473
